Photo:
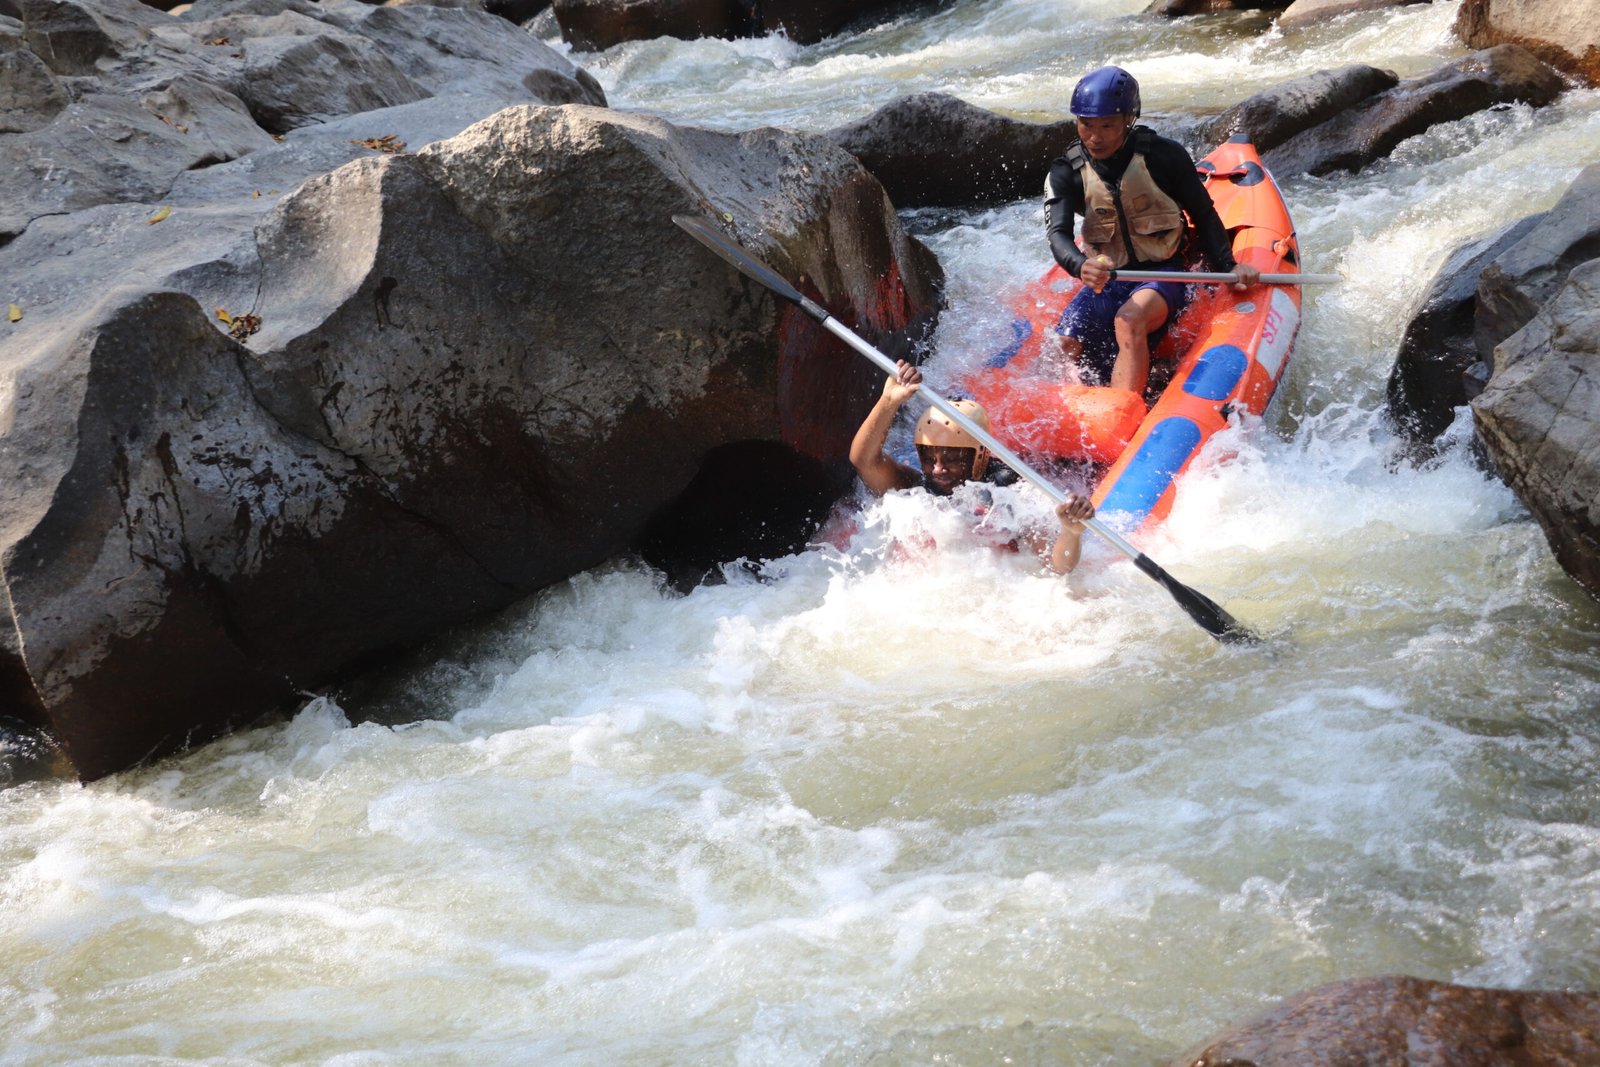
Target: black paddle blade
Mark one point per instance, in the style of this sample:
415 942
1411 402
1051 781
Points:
710 234
1201 608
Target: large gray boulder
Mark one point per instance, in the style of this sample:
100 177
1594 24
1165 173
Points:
130 101
1372 128
934 150
1563 33
1415 1022
478 369
343 390
1539 418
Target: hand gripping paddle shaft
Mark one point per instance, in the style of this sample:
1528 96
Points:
1206 612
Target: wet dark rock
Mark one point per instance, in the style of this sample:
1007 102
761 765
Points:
595 25
809 21
1411 1021
1272 117
1430 379
1539 418
479 369
934 150
1371 129
1563 33
27 754
518 11
749 502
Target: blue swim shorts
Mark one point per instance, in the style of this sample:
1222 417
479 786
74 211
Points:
1090 318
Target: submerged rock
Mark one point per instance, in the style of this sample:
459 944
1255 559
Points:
1402 1020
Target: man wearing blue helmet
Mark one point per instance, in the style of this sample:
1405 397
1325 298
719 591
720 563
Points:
1133 190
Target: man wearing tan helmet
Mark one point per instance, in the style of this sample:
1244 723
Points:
949 457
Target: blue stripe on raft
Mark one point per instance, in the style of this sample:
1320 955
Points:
1021 330
1217 372
1170 444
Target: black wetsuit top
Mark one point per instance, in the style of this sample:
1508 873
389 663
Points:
1173 170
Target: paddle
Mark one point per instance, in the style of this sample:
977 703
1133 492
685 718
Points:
1206 276
1215 621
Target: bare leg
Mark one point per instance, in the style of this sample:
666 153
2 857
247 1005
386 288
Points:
1145 311
1059 348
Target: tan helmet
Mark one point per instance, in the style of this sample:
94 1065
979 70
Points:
937 429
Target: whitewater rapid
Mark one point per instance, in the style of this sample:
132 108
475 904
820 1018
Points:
848 807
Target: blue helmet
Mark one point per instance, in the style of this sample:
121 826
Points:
1106 92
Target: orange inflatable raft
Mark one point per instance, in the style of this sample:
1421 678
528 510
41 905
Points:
1230 349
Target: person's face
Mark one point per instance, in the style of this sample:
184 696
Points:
946 466
1102 137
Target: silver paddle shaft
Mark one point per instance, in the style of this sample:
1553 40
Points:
1213 276
1010 458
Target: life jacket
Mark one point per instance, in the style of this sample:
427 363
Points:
1133 212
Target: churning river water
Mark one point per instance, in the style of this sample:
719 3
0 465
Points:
857 810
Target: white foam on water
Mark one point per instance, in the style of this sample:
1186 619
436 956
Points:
899 803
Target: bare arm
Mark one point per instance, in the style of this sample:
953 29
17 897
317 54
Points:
1069 543
879 472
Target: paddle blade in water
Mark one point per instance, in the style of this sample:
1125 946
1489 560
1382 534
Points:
1201 608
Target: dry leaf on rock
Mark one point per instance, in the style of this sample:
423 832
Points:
243 326
159 215
239 326
389 143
